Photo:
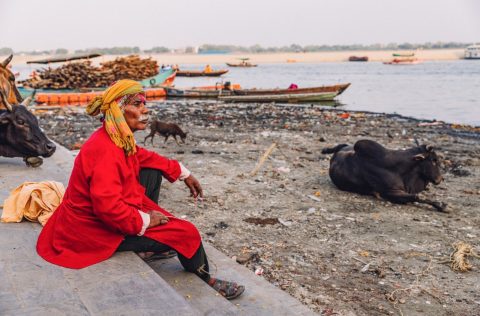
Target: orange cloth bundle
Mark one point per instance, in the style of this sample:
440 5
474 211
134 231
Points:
36 201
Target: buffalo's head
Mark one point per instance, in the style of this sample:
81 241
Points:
20 135
429 164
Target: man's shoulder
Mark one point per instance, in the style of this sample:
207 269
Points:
99 143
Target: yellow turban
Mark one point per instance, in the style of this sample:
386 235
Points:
115 123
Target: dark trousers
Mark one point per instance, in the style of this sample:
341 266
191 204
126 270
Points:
151 179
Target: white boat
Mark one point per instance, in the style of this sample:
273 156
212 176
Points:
472 52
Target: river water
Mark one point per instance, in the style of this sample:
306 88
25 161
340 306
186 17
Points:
442 90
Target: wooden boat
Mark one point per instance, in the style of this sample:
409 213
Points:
58 59
66 98
201 73
163 78
284 97
201 92
403 55
247 64
403 61
195 93
339 88
358 58
244 63
154 89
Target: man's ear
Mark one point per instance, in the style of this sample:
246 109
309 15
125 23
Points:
419 157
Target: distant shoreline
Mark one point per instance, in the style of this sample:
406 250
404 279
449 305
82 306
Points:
266 58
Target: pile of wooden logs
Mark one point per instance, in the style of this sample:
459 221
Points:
78 75
131 67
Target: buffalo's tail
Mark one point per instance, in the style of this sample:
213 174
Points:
332 150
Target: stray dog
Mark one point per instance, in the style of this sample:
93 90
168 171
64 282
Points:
166 130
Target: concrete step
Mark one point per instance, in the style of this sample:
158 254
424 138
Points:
122 285
198 294
260 297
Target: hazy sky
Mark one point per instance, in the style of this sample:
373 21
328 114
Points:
74 24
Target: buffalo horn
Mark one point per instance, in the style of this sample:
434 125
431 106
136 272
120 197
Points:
429 147
419 157
7 61
27 101
4 99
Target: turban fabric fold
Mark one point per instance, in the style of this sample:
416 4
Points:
115 124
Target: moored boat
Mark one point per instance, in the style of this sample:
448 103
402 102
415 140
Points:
71 97
202 92
403 54
244 63
472 52
201 73
403 61
57 59
284 97
339 88
358 58
154 89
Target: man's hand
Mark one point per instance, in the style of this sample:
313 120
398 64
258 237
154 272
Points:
157 218
195 189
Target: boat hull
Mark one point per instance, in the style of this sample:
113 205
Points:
196 94
201 73
416 62
339 89
358 58
284 98
208 92
242 65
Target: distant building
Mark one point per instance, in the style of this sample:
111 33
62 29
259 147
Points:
212 52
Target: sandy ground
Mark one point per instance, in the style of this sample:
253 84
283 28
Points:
438 54
338 252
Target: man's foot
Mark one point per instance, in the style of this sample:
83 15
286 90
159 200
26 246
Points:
152 256
229 290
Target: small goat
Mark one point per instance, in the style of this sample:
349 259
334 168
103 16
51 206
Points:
166 130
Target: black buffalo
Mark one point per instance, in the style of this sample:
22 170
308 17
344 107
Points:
395 175
20 135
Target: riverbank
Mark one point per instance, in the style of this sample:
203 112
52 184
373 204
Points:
317 57
333 250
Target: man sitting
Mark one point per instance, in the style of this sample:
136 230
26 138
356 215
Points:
105 208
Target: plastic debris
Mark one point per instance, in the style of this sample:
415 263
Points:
259 271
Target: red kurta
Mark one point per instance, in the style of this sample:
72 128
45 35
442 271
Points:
101 204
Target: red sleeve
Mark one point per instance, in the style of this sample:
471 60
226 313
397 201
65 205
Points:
149 159
106 194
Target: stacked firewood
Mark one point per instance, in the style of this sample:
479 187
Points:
131 67
83 75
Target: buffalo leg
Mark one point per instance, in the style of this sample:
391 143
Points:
439 206
402 197
166 137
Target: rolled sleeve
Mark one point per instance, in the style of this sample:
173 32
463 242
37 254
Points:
146 222
184 172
